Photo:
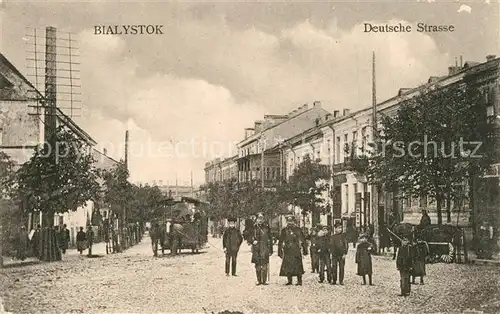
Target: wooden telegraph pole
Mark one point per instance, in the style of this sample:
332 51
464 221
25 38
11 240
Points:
376 187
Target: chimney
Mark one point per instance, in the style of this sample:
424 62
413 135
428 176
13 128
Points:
336 113
461 61
257 126
346 112
248 132
453 70
328 116
105 152
317 104
490 57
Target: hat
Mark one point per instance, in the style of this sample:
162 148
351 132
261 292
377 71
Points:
290 218
325 227
231 219
338 224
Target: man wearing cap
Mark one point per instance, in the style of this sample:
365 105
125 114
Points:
290 244
262 247
323 252
338 249
231 241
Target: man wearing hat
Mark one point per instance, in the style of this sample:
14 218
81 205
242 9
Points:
290 244
323 252
231 241
339 251
262 247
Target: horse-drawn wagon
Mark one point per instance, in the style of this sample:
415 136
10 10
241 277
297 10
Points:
445 241
180 227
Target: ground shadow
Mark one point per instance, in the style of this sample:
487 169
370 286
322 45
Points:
181 254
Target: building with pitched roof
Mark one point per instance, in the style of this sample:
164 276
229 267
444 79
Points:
22 121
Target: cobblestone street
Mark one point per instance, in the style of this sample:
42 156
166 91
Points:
136 282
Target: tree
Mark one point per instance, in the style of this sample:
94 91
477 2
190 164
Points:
58 179
435 143
10 214
117 190
306 186
146 205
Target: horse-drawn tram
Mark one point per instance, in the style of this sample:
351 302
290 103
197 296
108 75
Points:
184 225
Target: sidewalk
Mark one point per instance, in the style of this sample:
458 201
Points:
9 262
97 249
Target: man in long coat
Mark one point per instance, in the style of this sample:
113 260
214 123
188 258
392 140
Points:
290 245
262 247
231 241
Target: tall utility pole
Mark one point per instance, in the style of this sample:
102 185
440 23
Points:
50 99
376 186
262 148
126 149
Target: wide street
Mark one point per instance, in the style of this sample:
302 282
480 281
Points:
136 282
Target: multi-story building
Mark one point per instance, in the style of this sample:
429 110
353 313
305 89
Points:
221 170
258 158
355 199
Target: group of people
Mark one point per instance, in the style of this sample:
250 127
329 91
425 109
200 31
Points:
329 249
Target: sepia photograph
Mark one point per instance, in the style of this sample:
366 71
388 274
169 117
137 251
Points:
230 156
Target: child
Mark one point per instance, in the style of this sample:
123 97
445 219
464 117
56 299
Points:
323 251
339 248
364 258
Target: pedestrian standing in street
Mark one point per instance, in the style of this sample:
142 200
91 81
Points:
323 252
63 239
404 264
262 247
290 248
231 241
421 249
81 240
313 238
339 249
364 258
90 239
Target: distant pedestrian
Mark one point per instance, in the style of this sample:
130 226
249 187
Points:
64 239
81 240
364 258
90 239
35 241
485 239
425 221
339 249
231 242
290 248
262 247
323 253
421 250
404 264
313 239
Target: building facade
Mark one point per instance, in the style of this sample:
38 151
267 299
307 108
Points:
22 122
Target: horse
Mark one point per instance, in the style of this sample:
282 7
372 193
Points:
157 234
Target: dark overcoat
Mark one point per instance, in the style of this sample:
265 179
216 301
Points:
231 240
421 250
261 233
404 260
364 258
290 247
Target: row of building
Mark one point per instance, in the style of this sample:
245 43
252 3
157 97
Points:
22 128
276 145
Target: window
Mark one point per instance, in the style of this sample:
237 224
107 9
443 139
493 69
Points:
347 197
364 139
329 152
318 154
337 150
355 140
346 142
1 136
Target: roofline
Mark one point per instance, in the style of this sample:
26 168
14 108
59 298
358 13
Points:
256 136
384 105
102 154
16 71
75 128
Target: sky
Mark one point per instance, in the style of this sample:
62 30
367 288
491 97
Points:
187 95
